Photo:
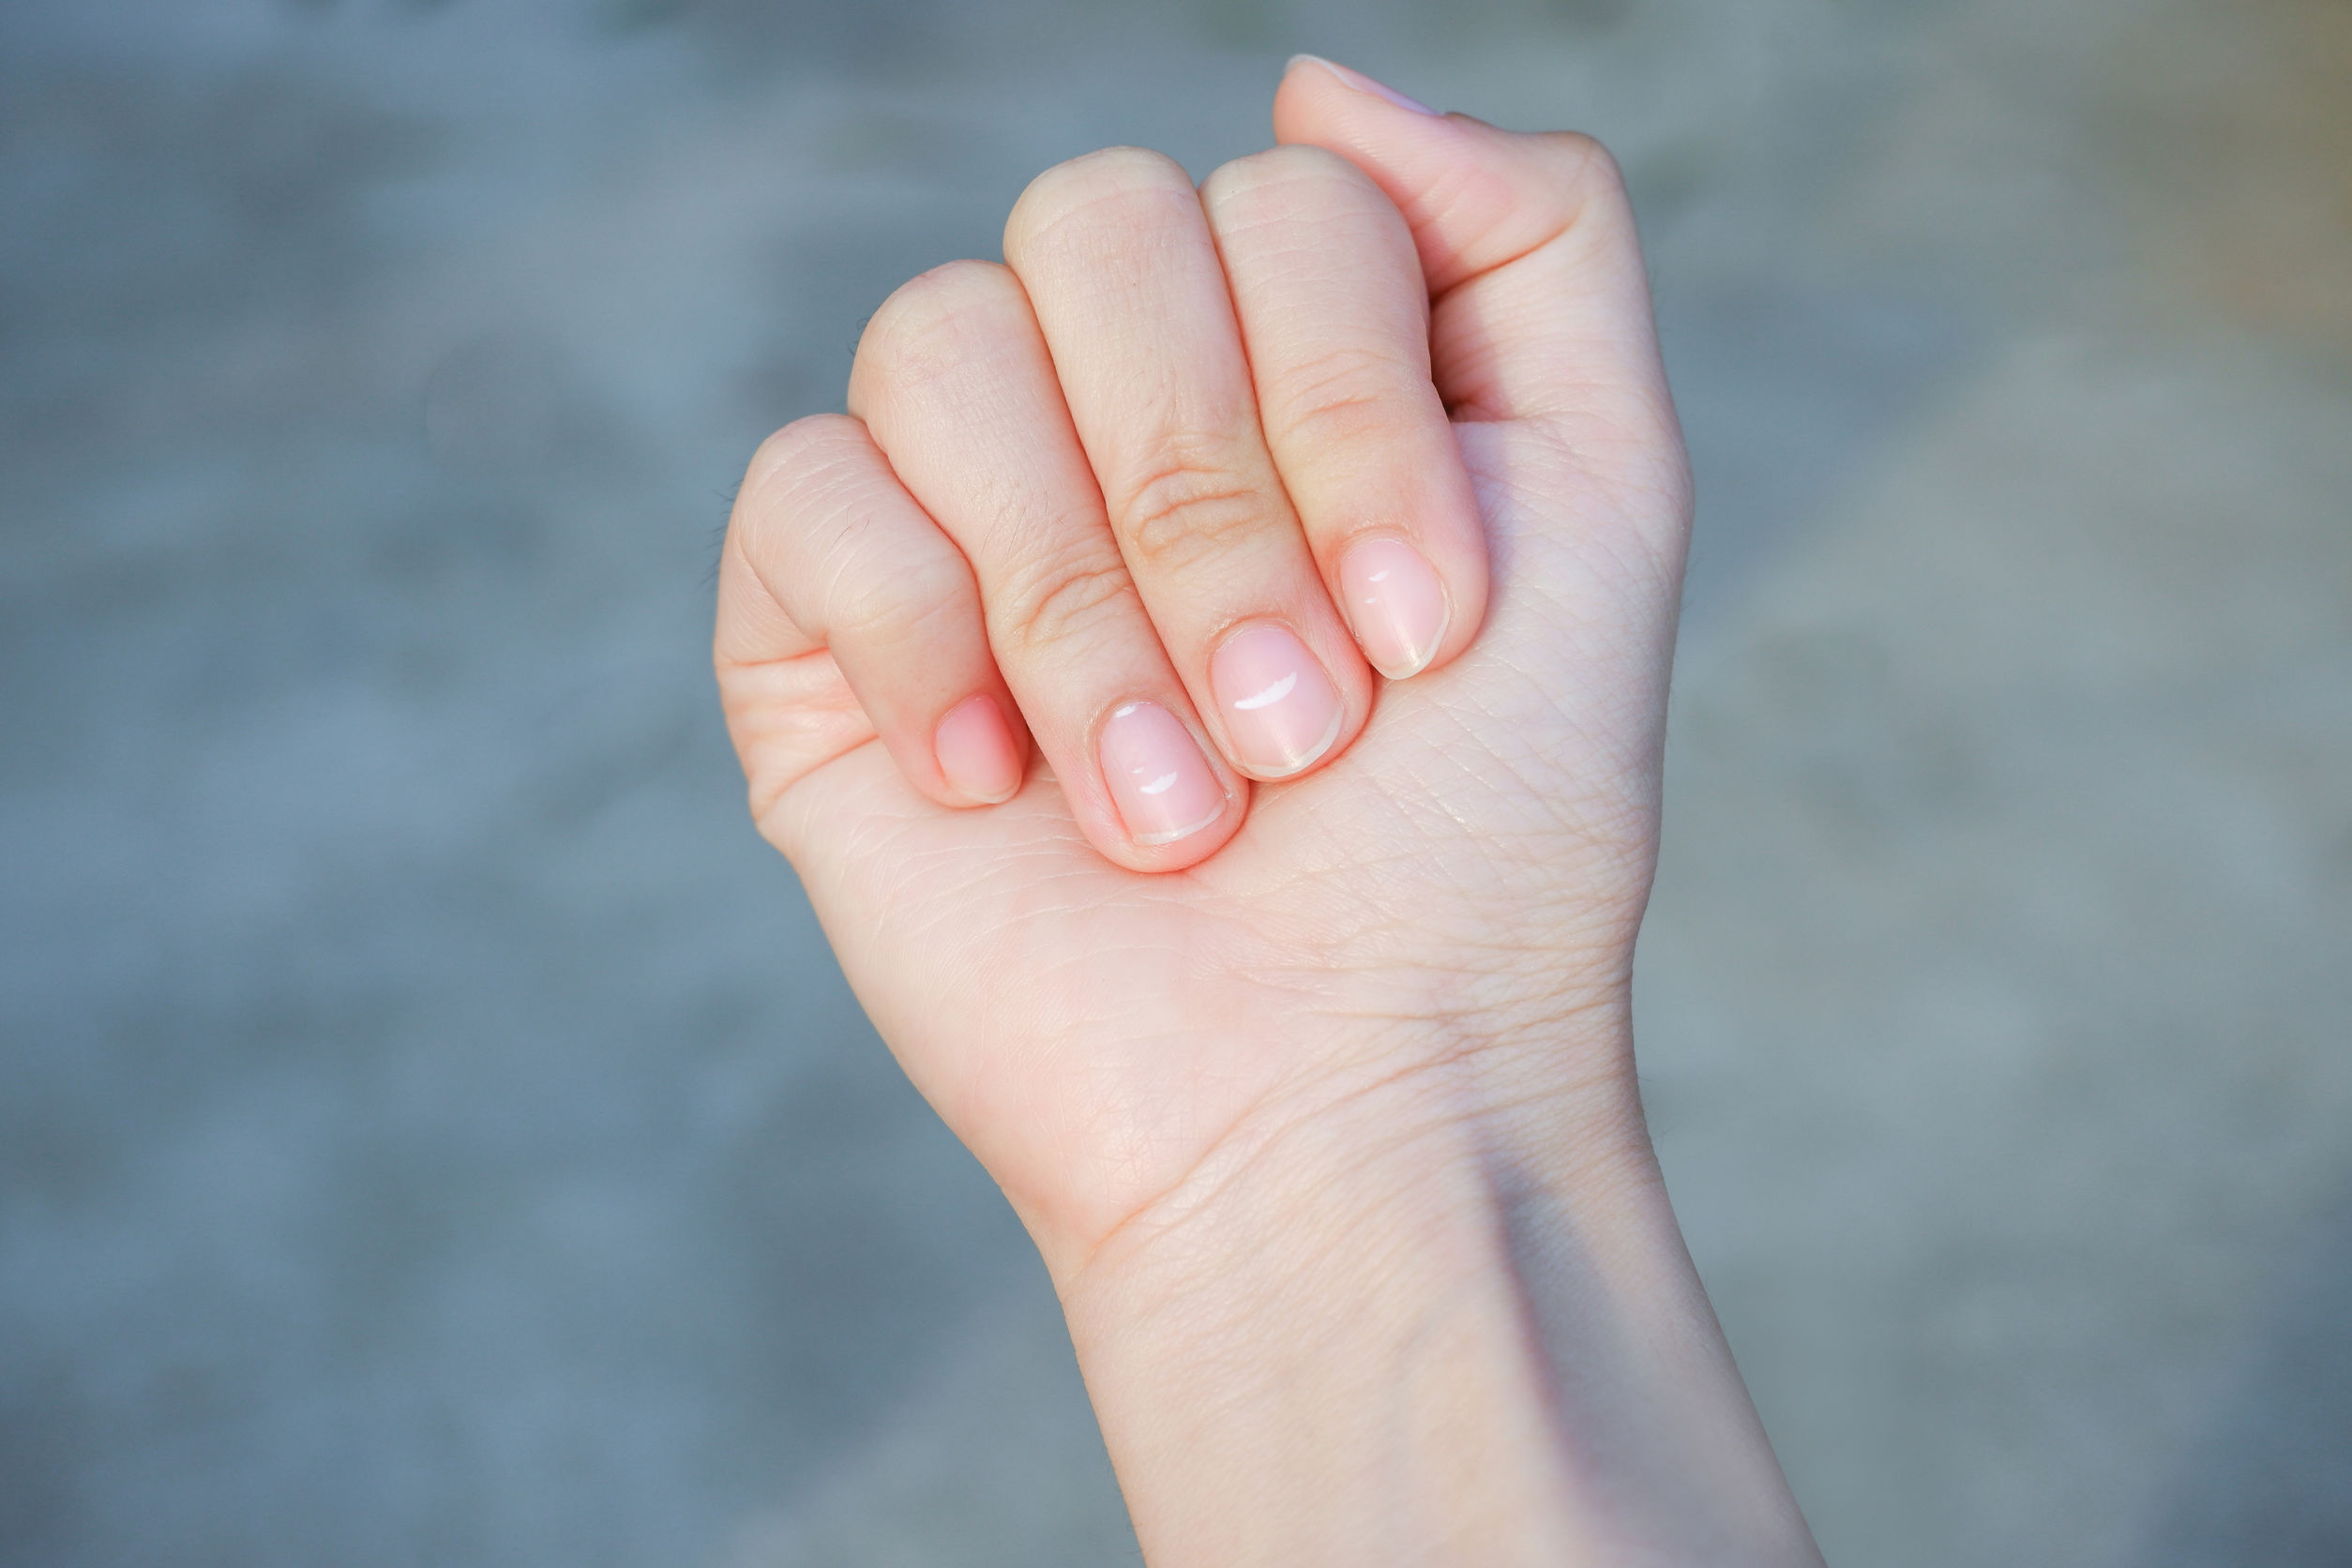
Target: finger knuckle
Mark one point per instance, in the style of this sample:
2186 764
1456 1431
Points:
803 456
1188 505
896 600
798 445
1097 183
1557 186
1588 171
1584 151
935 316
1291 168
1343 397
1059 599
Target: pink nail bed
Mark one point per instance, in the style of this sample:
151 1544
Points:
1395 604
1279 708
1164 787
976 752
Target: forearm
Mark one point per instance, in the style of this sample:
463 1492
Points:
1394 1333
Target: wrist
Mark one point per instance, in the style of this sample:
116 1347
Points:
1431 1320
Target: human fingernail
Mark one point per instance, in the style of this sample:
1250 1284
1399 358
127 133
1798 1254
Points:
1164 787
977 753
1280 710
1396 605
1362 83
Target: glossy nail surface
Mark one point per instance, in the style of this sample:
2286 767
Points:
976 752
1164 787
1281 712
1395 604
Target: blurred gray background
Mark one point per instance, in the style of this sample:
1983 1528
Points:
432 1129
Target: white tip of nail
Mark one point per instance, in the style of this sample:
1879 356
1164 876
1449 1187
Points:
1315 754
1405 672
1152 840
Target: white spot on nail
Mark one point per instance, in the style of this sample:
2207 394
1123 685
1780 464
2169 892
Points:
1159 786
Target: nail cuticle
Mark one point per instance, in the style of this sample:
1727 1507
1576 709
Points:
1153 841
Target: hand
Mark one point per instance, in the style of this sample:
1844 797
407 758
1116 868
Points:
1274 1079
1481 858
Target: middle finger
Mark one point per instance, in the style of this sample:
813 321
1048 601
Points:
1116 255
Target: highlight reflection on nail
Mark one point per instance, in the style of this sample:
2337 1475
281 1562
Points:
1396 605
1164 787
1271 695
1281 711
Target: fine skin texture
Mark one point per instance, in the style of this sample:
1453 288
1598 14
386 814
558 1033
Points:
1315 1092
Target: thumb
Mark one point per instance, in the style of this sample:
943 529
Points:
1539 307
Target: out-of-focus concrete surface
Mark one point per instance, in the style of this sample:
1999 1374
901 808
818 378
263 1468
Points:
430 1128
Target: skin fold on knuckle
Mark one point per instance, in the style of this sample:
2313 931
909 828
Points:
1536 191
788 721
884 598
1590 203
1186 507
1060 600
1349 399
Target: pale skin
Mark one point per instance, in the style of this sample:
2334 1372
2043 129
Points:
1210 684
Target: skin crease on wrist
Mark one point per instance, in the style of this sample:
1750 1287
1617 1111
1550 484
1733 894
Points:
1211 684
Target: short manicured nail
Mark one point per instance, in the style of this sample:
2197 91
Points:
977 751
1163 784
1362 83
1395 604
1279 708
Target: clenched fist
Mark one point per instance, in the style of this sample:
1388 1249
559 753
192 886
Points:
1211 684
